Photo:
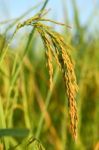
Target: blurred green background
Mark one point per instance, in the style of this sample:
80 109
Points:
27 106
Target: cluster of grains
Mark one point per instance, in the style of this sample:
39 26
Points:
49 65
60 51
47 44
55 46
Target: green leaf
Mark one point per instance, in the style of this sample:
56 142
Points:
14 132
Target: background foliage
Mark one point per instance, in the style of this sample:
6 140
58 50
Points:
31 114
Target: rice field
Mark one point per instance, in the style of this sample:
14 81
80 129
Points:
49 84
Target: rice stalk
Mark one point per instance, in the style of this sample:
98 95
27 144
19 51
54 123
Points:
55 45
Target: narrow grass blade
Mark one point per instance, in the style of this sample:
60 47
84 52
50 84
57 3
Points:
14 132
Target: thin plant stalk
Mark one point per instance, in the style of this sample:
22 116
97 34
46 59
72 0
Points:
3 124
48 98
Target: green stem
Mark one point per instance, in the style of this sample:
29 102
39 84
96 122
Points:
48 98
22 16
6 49
3 124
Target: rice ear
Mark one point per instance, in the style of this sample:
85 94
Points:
52 39
69 76
49 65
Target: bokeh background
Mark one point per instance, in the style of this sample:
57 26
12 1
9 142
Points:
27 107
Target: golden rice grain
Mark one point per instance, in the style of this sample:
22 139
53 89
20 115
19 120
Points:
49 64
